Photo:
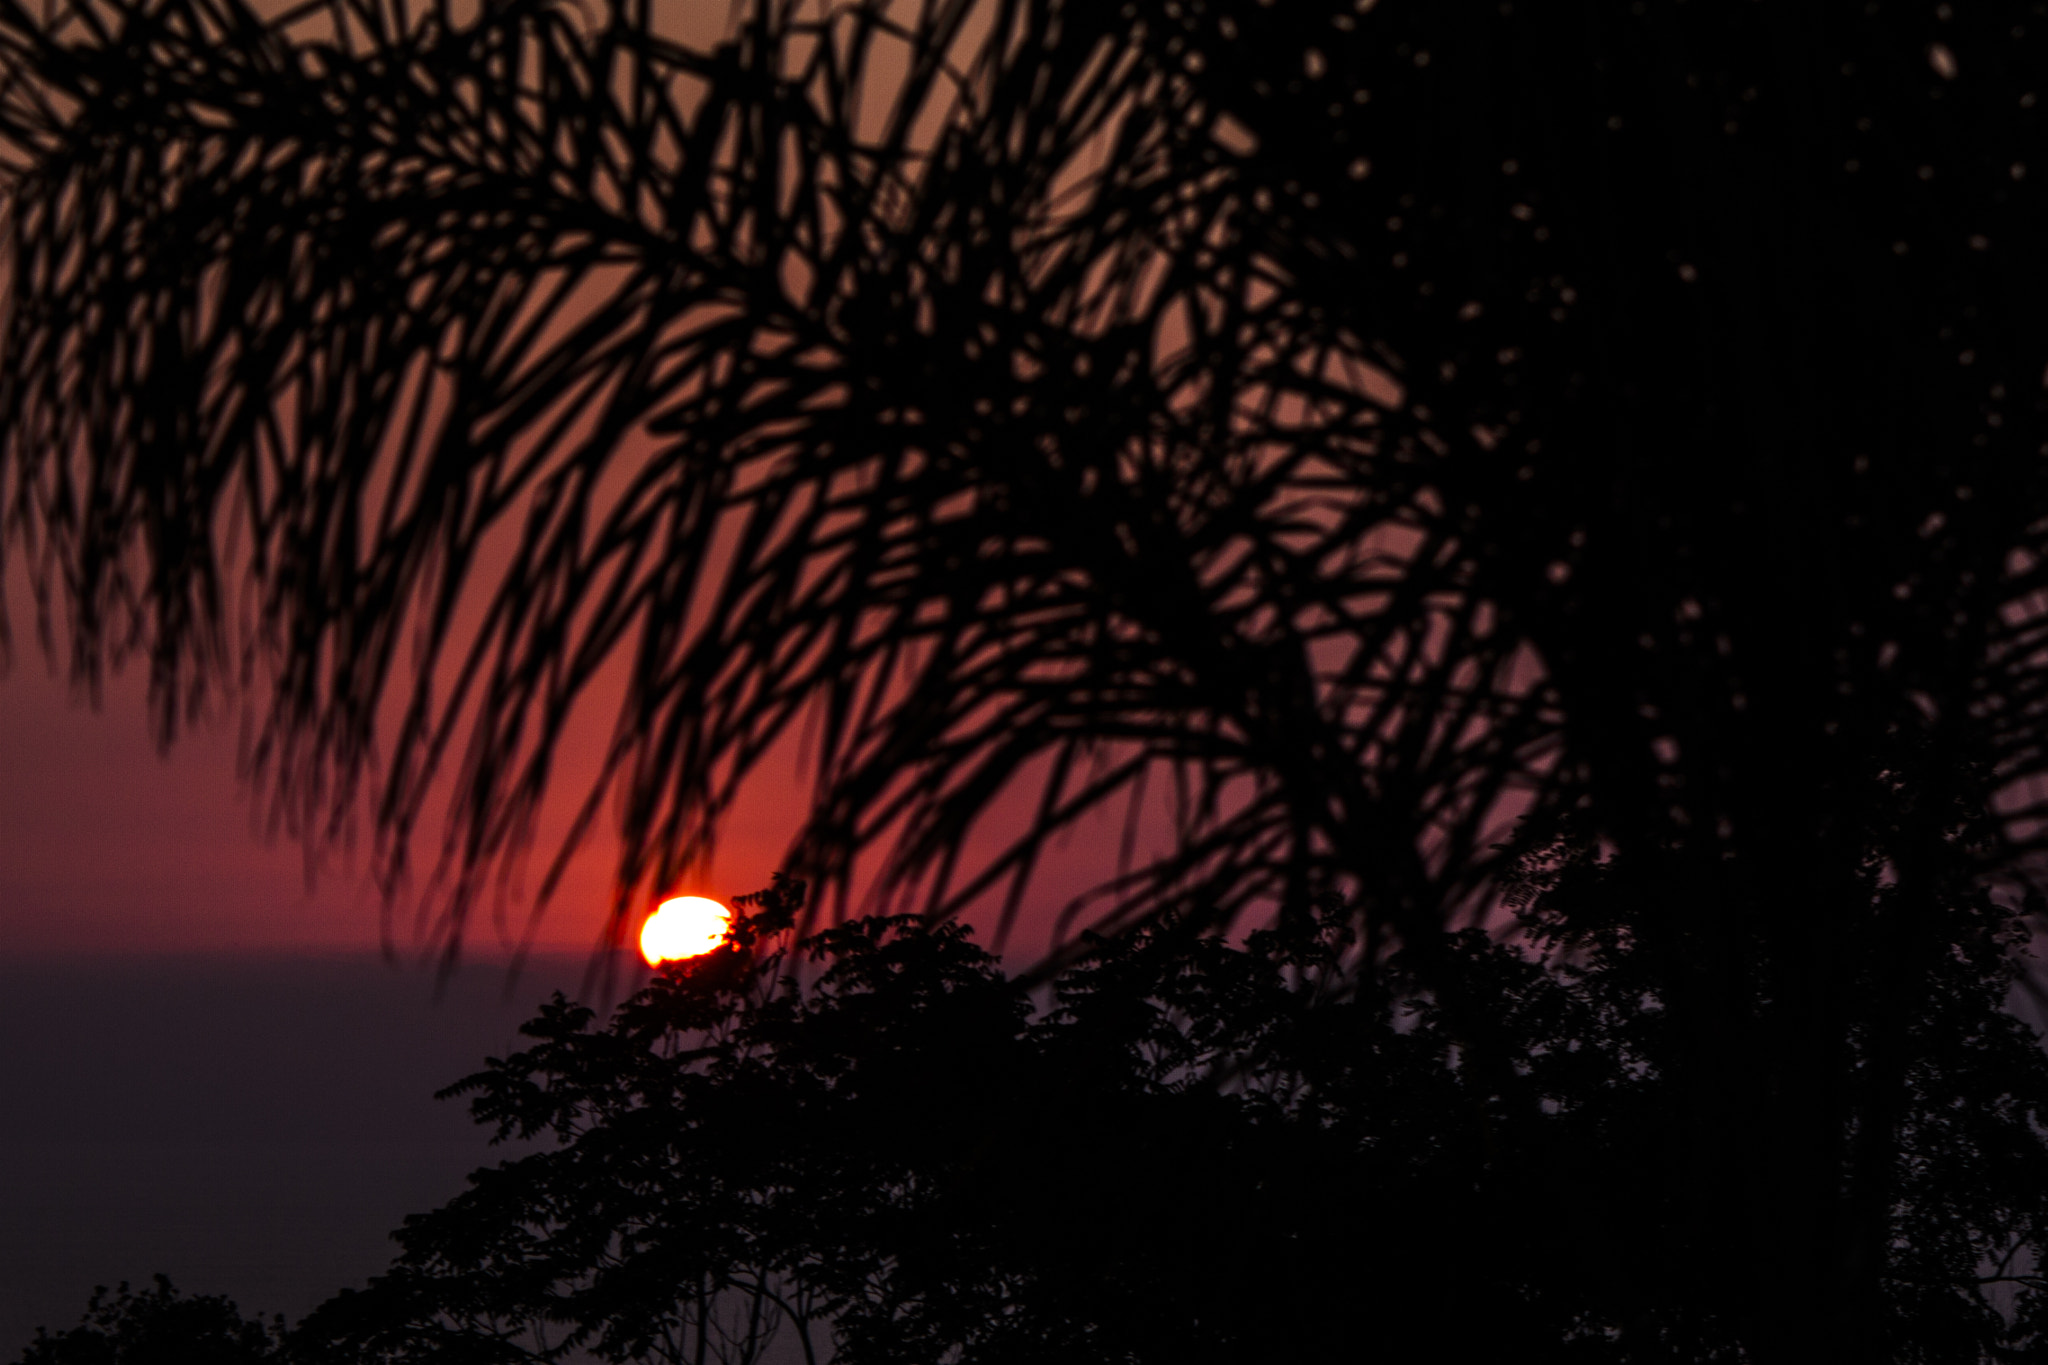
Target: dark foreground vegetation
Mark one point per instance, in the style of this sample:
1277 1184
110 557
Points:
869 1144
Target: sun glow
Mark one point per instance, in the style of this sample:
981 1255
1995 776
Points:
685 926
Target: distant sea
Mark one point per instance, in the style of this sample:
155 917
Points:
255 1127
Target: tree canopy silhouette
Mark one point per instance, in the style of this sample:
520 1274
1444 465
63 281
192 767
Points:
159 1326
1349 430
873 1144
869 1144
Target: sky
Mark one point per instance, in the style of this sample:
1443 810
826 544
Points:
108 844
250 1126
214 1067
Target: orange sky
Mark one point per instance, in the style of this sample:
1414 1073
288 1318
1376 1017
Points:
105 844
108 846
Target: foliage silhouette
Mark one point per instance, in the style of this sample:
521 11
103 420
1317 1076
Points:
1186 1149
936 383
1364 428
159 1326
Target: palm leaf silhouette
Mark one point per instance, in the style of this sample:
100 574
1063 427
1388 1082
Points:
930 386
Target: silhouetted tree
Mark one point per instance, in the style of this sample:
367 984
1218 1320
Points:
159 1326
1185 1150
1365 428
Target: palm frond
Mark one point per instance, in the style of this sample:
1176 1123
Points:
935 385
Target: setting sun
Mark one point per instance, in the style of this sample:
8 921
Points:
685 926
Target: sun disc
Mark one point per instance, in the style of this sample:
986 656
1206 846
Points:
682 927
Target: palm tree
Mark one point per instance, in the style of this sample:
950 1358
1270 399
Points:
931 386
1376 441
